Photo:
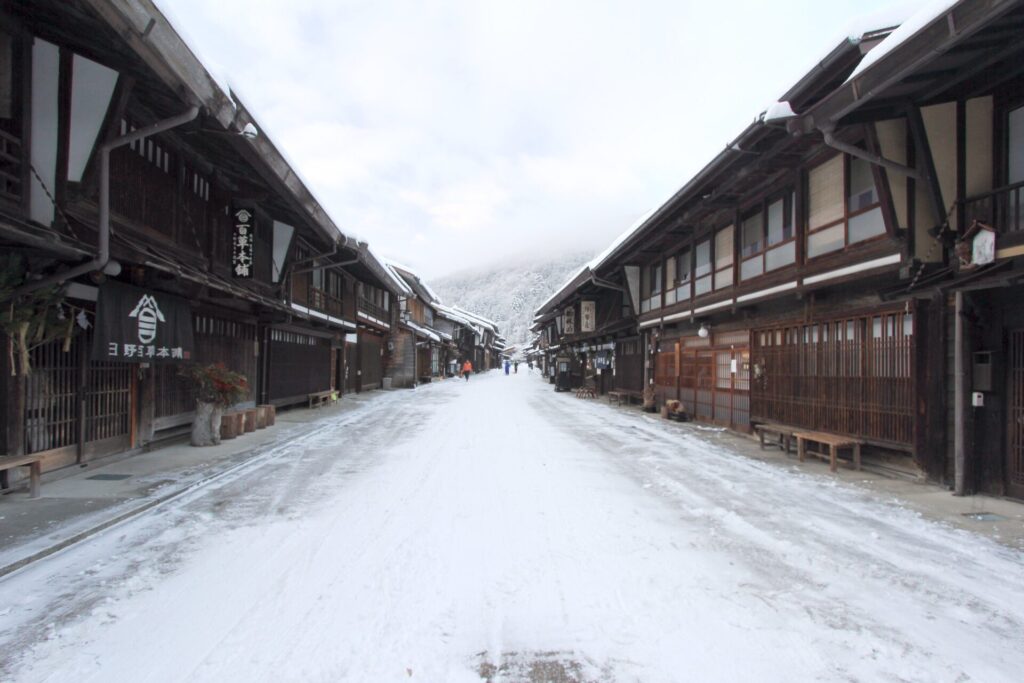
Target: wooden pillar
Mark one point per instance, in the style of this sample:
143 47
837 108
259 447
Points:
146 397
14 408
931 341
960 393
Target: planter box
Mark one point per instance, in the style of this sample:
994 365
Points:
269 414
250 419
231 425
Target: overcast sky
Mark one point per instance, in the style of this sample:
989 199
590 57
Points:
451 134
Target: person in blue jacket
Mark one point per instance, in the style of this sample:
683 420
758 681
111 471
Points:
506 366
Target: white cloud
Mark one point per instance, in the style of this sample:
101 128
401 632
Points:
528 123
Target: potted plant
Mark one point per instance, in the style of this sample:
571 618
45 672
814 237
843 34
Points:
649 404
215 388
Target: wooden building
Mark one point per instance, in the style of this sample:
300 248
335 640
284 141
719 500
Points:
809 275
480 340
415 348
953 89
589 329
123 162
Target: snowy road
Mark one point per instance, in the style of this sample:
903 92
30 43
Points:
496 527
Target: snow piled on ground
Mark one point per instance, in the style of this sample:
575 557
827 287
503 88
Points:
495 529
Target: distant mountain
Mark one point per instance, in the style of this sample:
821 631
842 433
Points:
509 293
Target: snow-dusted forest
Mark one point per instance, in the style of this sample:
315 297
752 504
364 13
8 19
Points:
509 293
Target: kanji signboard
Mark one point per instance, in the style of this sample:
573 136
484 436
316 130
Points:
141 326
569 321
242 239
588 316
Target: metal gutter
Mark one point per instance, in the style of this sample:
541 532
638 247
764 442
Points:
102 257
731 151
934 39
875 159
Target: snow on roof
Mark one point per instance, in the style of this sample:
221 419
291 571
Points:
399 281
907 28
178 23
854 32
599 260
400 269
451 314
425 331
883 18
479 318
434 298
778 111
232 93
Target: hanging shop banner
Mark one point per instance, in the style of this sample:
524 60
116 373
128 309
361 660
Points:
141 326
242 244
603 360
588 316
569 321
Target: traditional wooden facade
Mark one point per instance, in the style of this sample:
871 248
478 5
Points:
200 206
588 329
955 89
809 274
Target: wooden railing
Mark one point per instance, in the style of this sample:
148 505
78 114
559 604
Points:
1002 208
372 309
324 302
11 167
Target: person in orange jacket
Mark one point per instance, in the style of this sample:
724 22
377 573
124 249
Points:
467 368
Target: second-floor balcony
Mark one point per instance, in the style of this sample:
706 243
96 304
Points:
1002 208
373 310
318 300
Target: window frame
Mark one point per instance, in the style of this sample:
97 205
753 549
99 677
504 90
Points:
762 208
848 215
715 258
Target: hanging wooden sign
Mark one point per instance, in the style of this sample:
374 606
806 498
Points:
141 326
588 316
242 247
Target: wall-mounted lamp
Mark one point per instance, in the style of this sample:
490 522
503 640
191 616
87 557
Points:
704 331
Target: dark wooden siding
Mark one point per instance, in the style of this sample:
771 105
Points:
629 365
217 340
300 364
370 361
851 375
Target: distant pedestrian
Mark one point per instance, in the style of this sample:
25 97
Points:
529 365
507 365
467 369
516 367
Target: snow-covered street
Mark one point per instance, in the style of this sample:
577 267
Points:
494 528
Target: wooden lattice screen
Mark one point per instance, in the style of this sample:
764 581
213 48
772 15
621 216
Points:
1015 391
852 376
629 365
217 340
52 410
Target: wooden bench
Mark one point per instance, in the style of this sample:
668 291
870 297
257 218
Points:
834 443
783 434
35 469
321 398
621 397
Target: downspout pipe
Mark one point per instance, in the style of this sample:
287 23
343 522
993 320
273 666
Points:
103 238
598 282
875 159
